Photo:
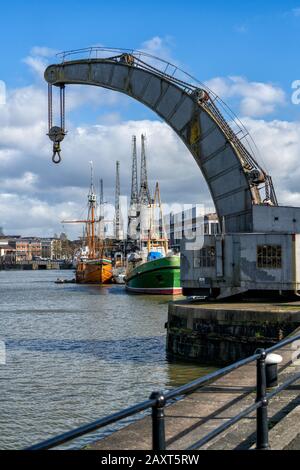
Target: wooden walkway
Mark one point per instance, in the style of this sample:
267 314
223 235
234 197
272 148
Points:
191 418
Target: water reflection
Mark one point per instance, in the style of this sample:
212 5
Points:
76 353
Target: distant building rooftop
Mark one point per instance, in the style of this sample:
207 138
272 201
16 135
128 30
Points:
9 237
211 216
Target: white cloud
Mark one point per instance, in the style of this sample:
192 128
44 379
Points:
104 144
256 98
279 144
43 51
37 65
31 216
38 59
278 141
31 179
158 46
296 11
25 106
36 195
242 29
28 180
78 95
81 95
2 93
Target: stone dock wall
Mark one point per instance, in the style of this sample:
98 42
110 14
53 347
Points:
222 333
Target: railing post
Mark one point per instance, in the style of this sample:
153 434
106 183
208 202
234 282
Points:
158 421
262 430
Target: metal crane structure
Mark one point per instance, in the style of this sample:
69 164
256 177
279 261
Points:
133 213
259 244
144 196
145 200
118 219
134 199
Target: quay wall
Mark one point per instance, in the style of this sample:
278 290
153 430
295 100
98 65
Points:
35 265
215 333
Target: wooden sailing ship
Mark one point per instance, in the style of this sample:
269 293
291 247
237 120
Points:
95 267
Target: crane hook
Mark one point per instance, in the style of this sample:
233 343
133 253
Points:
56 158
56 134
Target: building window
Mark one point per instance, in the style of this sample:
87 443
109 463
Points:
205 258
269 256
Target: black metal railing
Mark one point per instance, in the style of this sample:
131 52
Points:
158 401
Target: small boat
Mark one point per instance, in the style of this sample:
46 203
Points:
64 281
120 278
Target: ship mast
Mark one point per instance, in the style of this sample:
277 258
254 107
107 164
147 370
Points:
101 212
92 200
157 234
90 222
101 227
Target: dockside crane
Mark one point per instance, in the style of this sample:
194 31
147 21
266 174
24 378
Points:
259 245
133 213
144 195
118 217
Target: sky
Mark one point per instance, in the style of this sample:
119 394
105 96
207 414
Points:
247 52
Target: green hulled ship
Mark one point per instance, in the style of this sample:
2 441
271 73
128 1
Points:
154 270
159 276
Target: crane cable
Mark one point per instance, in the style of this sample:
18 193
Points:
56 133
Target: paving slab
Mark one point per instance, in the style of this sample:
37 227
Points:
192 417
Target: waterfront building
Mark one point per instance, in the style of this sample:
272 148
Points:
21 248
51 248
7 251
185 224
34 248
3 245
26 249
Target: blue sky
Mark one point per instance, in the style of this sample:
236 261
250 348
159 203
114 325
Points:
254 39
245 51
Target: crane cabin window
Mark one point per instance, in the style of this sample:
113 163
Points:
269 256
205 258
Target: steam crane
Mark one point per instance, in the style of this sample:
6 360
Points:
258 246
134 199
145 200
118 219
144 196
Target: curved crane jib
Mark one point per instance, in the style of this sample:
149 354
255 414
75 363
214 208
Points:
220 155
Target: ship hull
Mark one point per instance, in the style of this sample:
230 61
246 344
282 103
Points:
94 272
161 276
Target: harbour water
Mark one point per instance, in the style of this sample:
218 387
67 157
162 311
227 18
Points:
76 353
